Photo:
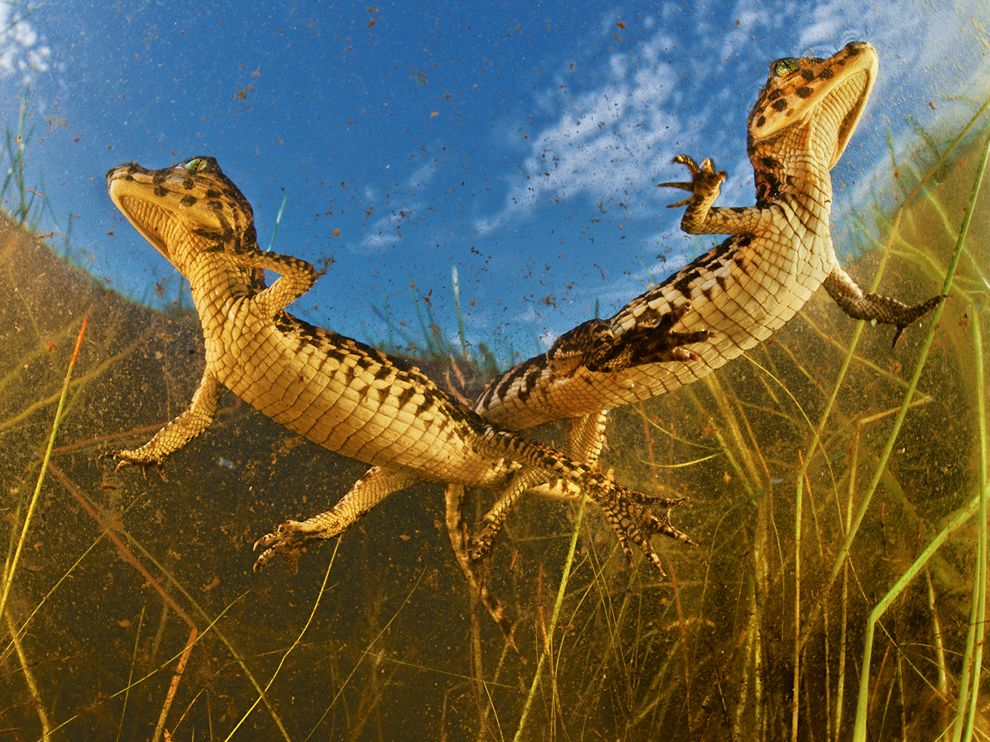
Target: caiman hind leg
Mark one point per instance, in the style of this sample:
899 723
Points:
585 440
875 308
596 347
628 512
194 420
460 542
632 519
292 537
495 518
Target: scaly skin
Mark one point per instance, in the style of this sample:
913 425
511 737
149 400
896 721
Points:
723 303
333 390
780 252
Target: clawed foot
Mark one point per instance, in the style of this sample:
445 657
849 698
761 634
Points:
677 339
636 521
289 541
705 181
632 517
134 457
910 315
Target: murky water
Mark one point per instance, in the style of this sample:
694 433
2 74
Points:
834 483
135 595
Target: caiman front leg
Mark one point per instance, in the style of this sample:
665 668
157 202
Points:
652 340
860 304
292 536
193 421
701 217
296 277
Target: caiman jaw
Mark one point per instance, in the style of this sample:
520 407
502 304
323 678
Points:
826 94
188 203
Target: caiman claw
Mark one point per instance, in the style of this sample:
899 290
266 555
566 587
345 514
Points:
705 181
289 540
126 458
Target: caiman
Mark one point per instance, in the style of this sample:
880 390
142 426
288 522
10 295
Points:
718 306
331 389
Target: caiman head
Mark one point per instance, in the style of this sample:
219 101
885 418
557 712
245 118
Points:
184 210
806 113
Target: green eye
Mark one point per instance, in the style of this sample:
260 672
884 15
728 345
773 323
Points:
784 67
196 165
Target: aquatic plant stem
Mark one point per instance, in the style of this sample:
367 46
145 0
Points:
173 685
455 287
170 602
973 657
29 679
962 727
859 732
117 538
295 643
130 673
919 188
12 567
796 675
5 652
548 648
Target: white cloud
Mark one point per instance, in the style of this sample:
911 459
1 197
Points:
386 231
603 141
422 176
749 16
610 129
22 52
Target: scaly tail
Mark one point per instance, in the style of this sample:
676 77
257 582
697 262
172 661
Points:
627 511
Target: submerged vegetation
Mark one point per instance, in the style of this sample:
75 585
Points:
838 489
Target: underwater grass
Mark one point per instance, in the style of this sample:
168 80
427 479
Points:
839 564
292 647
168 600
14 188
717 651
10 567
973 655
547 654
728 432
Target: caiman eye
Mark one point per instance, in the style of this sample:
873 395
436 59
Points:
784 67
196 165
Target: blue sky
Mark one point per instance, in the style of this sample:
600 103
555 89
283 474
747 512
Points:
520 142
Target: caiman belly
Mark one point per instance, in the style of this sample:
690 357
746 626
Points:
347 403
741 291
